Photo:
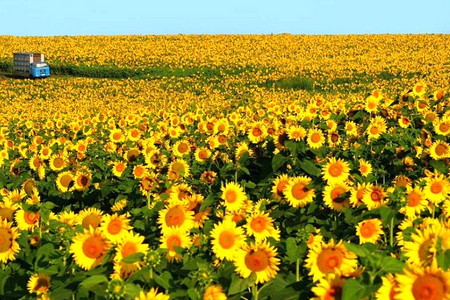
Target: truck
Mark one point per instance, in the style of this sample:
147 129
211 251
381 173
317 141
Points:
30 65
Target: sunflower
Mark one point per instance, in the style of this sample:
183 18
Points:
89 217
369 231
423 283
374 196
260 225
119 205
278 186
39 284
436 188
297 191
330 287
315 139
377 126
421 250
133 134
82 180
115 226
257 132
35 162
419 89
214 292
8 241
415 202
129 244
152 295
335 196
202 154
181 148
180 167
175 237
404 122
440 150
242 148
64 181
257 258
226 238
365 167
222 126
118 168
116 136
131 155
330 258
351 129
333 138
388 289
372 104
296 132
442 126
176 215
26 220
89 248
7 209
139 171
233 196
335 171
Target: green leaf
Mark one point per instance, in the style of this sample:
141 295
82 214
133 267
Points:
163 280
238 284
250 185
132 258
293 250
392 265
278 161
359 250
354 290
292 146
192 293
44 251
272 288
91 282
439 165
245 170
132 291
310 167
207 202
443 260
62 294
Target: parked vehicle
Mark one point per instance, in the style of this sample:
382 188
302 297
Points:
31 65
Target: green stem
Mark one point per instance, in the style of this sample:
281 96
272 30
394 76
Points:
297 270
255 292
391 233
151 273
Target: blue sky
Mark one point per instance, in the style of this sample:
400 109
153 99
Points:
110 17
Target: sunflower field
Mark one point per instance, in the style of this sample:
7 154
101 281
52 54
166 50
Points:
226 167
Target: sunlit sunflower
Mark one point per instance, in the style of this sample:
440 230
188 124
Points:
296 132
176 215
181 148
316 138
202 154
335 170
116 136
214 292
278 186
257 132
436 188
440 150
260 225
7 209
118 168
26 220
429 283
421 250
64 181
82 180
179 167
365 167
257 258
369 231
152 295
15 195
298 192
133 134
130 243
39 284
67 217
8 241
372 104
172 239
226 238
330 258
89 217
351 128
442 126
242 148
335 196
89 248
329 288
374 196
233 196
119 205
388 289
377 126
415 202
115 226
419 89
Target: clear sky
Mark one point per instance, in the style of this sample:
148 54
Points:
111 17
